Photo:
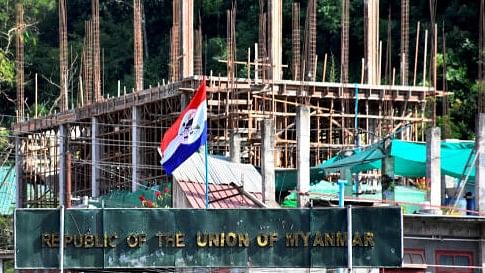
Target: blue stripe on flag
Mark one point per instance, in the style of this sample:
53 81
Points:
184 151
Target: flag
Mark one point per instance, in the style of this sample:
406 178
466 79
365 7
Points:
187 134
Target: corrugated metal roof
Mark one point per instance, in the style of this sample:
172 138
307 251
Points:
7 189
221 196
221 172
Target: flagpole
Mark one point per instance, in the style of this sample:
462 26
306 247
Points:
206 161
206 177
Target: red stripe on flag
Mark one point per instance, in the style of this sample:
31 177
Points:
171 133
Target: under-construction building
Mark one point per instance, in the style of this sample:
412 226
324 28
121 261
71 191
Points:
102 144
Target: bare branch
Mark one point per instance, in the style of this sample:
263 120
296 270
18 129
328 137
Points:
10 34
56 101
8 98
50 81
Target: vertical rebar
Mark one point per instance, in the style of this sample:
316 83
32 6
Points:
231 64
344 66
373 48
309 50
388 105
445 87
433 63
416 51
63 69
96 51
20 62
366 34
138 45
404 41
481 60
175 41
262 42
170 57
296 40
198 49
87 64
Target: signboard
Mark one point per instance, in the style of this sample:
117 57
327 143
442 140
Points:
155 238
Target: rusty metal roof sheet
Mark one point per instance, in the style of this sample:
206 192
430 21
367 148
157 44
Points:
221 196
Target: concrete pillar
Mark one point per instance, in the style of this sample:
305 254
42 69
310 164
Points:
480 164
187 38
62 162
276 27
19 194
433 165
387 173
135 147
267 161
235 147
303 153
95 157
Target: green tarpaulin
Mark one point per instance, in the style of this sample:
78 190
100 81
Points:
285 179
359 161
408 197
409 159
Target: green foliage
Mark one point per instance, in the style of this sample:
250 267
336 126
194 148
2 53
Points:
463 102
216 50
6 232
212 6
454 129
8 266
329 11
42 110
7 70
4 139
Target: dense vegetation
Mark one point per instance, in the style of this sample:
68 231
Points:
458 20
6 240
6 234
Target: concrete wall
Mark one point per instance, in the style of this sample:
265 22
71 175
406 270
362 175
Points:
433 234
431 246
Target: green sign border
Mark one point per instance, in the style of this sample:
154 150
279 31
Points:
33 251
